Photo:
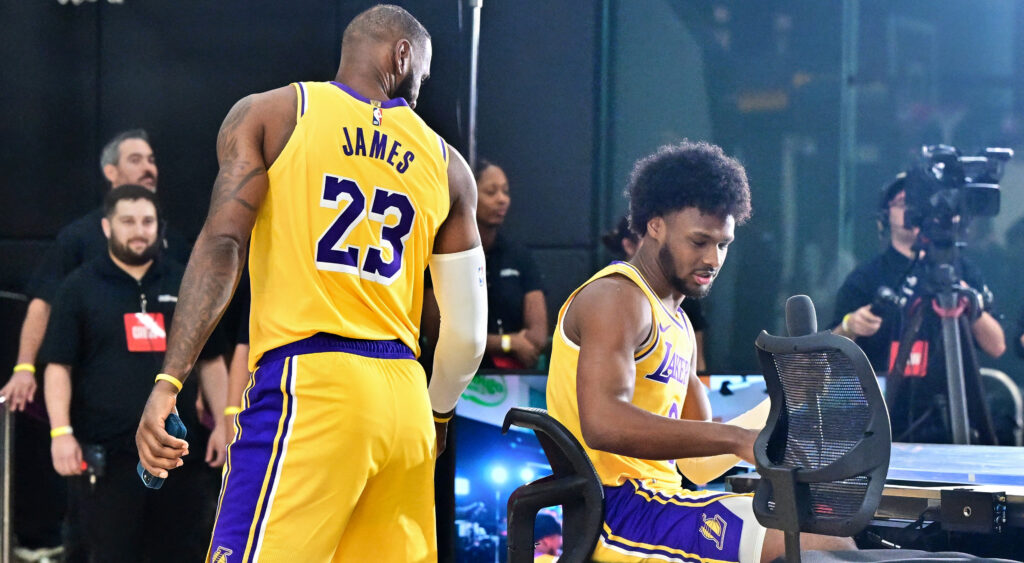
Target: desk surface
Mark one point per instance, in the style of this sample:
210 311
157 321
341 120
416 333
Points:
943 463
919 473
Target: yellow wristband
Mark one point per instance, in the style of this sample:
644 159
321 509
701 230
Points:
506 343
169 379
846 323
442 419
25 367
231 411
61 431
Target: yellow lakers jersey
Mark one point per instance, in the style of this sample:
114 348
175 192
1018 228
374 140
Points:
662 364
343 238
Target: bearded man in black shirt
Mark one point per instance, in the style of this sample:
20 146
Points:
108 325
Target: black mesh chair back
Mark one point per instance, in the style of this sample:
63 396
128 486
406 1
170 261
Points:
573 484
824 453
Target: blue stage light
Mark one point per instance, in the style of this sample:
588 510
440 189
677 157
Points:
461 486
526 475
499 475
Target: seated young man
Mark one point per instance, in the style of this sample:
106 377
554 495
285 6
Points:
623 373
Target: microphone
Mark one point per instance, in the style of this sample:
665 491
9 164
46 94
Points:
885 298
800 317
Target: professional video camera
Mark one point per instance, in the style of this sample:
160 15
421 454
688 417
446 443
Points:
943 194
948 190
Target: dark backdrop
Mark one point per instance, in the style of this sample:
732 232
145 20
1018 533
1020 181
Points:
76 75
570 94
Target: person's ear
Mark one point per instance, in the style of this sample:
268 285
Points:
110 173
403 57
629 247
656 227
105 223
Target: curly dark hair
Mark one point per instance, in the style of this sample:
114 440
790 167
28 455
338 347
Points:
684 175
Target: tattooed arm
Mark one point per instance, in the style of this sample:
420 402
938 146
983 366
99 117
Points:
251 137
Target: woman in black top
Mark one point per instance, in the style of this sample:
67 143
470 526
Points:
517 323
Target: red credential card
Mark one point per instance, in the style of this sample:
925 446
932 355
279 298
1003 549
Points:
145 332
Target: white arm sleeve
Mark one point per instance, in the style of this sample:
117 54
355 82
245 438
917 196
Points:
460 285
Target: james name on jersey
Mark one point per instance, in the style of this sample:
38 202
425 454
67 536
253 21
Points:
355 145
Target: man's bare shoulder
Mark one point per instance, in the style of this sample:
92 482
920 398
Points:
276 104
612 289
272 113
283 94
269 107
613 303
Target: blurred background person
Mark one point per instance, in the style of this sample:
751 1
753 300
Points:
517 318
917 402
547 538
108 325
127 158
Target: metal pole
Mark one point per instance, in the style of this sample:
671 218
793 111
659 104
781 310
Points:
600 214
848 126
474 55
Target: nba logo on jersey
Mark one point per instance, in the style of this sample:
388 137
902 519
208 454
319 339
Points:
378 116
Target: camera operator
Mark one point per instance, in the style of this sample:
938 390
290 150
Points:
869 311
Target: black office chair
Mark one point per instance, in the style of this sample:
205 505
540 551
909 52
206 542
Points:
574 484
824 453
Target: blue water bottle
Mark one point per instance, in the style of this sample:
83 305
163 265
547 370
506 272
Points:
175 427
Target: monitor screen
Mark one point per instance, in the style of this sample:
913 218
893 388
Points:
488 465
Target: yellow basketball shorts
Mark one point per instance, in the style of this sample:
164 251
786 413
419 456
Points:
333 458
644 523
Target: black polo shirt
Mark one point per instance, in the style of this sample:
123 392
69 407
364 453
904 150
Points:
87 331
511 274
83 240
887 269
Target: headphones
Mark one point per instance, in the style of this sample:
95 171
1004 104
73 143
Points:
889 191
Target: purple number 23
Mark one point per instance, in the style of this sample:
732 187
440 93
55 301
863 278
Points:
334 255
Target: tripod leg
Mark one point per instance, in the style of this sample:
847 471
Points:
977 403
953 352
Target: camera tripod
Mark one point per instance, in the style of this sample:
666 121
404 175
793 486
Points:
940 293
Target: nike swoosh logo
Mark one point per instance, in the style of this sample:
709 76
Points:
664 328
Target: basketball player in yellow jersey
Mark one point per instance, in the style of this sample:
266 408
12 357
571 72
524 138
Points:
348 197
623 377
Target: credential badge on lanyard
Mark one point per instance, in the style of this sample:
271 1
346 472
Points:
145 332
